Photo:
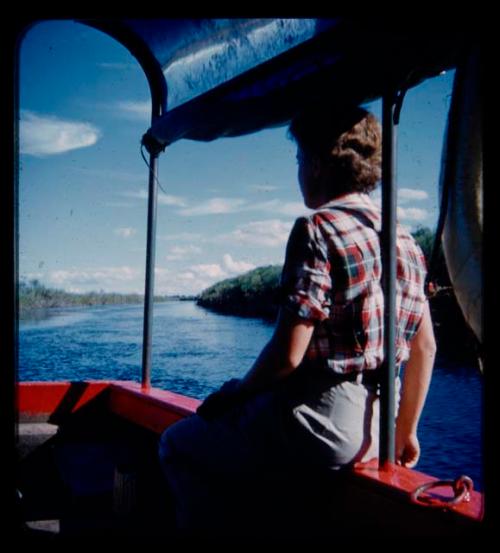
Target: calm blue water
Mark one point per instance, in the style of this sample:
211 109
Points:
195 350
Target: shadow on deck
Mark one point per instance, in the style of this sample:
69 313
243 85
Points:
94 474
89 470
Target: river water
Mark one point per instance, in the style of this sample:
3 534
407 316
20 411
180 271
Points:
195 350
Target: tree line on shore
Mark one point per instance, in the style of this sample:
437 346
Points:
34 295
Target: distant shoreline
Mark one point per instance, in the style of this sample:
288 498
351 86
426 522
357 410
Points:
41 312
35 297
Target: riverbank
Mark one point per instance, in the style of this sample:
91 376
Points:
253 294
35 298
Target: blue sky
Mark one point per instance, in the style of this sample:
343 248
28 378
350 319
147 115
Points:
228 205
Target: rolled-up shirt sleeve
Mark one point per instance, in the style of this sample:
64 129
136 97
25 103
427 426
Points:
306 282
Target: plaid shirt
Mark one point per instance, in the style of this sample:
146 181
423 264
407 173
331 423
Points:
332 275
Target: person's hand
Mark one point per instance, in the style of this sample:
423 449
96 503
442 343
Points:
407 450
221 401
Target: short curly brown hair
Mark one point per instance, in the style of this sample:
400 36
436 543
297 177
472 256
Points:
348 139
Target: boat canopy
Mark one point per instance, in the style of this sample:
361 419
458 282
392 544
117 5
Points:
211 78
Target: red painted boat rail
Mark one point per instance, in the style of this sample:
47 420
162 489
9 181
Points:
411 483
150 408
156 409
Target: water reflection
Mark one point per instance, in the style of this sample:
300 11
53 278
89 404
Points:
51 317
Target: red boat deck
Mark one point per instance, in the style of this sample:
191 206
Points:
85 436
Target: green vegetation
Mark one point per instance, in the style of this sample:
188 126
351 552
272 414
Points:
425 239
254 294
34 295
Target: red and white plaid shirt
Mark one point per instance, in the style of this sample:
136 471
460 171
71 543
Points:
332 275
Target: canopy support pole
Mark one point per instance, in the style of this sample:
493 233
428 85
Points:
147 339
388 247
158 102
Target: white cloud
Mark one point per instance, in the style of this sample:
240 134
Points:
412 194
170 282
48 135
405 195
198 277
193 279
93 275
293 209
263 187
167 199
407 213
111 279
236 266
211 270
273 232
186 282
125 232
161 274
128 279
163 199
136 194
412 214
181 252
215 206
135 110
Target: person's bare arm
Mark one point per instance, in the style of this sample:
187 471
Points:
282 354
280 357
416 381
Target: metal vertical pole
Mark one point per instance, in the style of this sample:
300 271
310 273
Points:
388 247
150 272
